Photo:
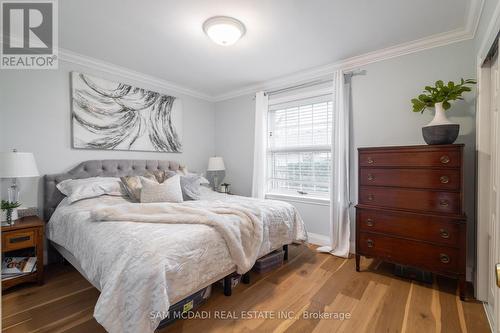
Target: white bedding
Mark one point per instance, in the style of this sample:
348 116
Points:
139 267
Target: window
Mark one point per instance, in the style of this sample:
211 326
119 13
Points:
299 147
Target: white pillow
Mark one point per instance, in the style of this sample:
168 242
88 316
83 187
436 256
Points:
78 189
204 181
168 191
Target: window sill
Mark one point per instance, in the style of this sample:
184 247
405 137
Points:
299 199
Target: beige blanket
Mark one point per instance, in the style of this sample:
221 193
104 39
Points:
240 228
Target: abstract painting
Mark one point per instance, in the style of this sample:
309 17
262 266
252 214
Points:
117 116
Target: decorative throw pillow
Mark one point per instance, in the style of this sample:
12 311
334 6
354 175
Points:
183 170
169 173
204 181
190 184
168 191
132 185
160 175
78 189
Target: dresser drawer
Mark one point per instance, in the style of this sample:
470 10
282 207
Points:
420 227
416 200
441 179
451 158
408 252
15 240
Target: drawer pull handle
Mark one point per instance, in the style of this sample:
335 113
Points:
444 258
443 203
444 233
19 239
369 222
370 197
444 179
445 159
370 177
369 243
369 160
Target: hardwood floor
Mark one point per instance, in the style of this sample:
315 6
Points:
309 283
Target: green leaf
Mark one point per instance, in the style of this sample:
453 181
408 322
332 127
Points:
418 106
441 93
9 205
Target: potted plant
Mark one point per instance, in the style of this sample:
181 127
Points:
10 210
440 130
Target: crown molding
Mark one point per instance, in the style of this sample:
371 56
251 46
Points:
472 18
352 63
127 73
107 67
473 15
489 36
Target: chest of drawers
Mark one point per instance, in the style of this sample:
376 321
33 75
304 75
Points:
410 208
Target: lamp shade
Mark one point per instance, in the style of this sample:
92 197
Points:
216 164
17 165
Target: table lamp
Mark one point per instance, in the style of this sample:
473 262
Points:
216 167
16 165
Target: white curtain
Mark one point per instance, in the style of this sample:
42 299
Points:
260 146
339 193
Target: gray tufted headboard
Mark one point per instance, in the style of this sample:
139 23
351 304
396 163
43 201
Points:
97 168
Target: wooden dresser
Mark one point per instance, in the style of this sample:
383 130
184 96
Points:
411 210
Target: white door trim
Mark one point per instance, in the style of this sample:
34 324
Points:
482 207
481 278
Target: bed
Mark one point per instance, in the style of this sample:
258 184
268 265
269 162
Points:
141 268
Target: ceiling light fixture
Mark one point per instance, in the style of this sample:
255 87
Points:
224 30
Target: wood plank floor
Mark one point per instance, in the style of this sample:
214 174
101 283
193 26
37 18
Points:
309 283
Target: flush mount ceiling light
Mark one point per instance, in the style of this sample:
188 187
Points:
224 30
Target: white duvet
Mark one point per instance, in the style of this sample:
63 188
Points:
141 267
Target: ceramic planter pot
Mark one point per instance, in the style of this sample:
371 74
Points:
3 215
440 131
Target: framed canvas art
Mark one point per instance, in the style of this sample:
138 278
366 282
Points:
117 116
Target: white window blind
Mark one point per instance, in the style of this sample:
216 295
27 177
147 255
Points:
299 147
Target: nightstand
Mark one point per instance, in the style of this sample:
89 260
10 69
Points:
24 239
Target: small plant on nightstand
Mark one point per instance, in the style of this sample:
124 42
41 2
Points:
9 207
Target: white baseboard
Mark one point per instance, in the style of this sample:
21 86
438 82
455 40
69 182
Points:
323 240
318 239
489 316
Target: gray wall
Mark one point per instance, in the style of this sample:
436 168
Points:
234 141
35 117
382 116
382 111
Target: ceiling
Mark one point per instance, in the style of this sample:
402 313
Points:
164 38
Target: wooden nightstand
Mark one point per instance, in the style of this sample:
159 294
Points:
24 238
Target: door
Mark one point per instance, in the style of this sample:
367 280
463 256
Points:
494 284
488 178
